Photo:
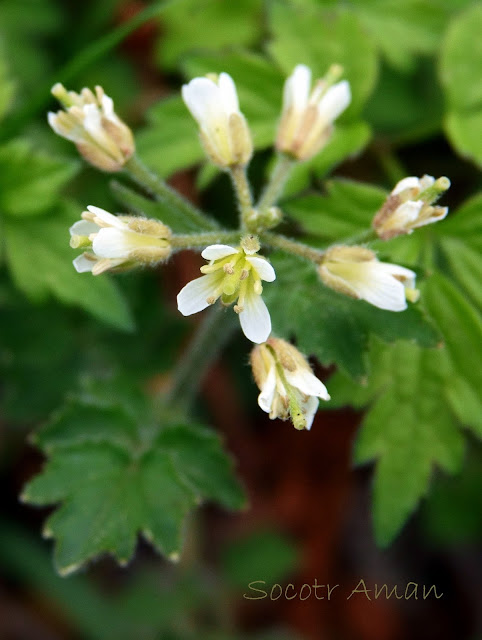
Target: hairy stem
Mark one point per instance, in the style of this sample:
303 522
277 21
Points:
192 240
208 340
365 236
276 183
277 241
243 193
164 193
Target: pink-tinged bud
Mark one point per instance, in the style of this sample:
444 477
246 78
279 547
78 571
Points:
410 205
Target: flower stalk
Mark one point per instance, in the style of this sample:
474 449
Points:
207 342
166 194
274 189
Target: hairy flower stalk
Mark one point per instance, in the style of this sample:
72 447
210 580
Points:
213 102
410 205
289 389
356 272
118 242
307 118
234 275
90 122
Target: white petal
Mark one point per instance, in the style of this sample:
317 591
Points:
228 94
408 211
407 183
83 228
335 101
263 268
113 243
83 264
201 97
310 408
307 383
265 398
397 270
193 297
440 215
297 89
218 251
106 217
426 181
378 287
255 319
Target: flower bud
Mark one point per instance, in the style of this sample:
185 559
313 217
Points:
213 102
289 389
307 118
356 272
410 205
90 122
117 243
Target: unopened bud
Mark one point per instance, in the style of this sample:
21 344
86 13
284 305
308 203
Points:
356 272
307 118
90 122
411 205
213 102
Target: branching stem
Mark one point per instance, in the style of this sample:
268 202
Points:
208 340
166 194
277 241
276 183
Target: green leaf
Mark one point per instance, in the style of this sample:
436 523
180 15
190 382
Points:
465 224
140 205
319 38
172 130
449 516
408 430
330 325
212 25
460 70
30 180
347 209
40 262
25 38
402 29
115 480
7 86
461 327
466 265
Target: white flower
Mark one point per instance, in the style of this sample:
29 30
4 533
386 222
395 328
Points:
213 102
233 274
410 205
118 242
356 272
289 389
90 122
307 118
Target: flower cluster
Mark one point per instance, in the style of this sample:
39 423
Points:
234 274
